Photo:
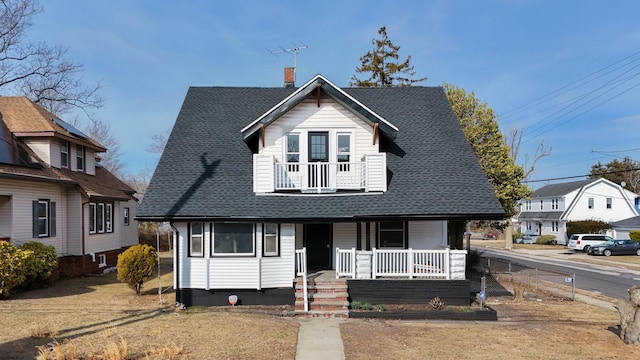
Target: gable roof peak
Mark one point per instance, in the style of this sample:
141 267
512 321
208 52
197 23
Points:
335 92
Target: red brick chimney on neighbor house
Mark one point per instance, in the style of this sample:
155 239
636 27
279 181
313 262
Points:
289 77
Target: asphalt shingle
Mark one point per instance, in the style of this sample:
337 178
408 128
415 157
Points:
206 169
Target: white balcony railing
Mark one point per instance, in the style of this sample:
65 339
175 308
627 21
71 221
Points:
319 176
368 174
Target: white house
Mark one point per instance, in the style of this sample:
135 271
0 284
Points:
552 206
53 191
261 184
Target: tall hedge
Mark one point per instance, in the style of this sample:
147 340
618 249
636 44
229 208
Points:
135 265
634 235
586 227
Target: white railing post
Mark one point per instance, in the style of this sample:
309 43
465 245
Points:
301 270
374 264
410 260
338 263
447 261
353 263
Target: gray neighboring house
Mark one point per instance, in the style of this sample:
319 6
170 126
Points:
265 184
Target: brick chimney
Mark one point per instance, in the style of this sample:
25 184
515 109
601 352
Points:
289 77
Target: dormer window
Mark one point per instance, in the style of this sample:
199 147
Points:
293 151
343 152
64 154
79 157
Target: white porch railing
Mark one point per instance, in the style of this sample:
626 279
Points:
406 263
346 263
301 270
320 176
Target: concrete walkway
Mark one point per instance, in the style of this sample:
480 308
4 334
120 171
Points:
319 339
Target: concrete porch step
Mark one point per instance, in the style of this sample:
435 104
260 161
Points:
343 296
323 305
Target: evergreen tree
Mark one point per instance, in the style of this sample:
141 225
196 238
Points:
618 171
385 72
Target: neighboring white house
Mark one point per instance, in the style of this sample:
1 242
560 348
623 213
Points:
261 183
53 191
552 206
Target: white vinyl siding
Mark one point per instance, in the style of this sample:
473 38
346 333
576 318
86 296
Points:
44 149
344 237
233 272
427 235
128 234
307 117
23 193
90 162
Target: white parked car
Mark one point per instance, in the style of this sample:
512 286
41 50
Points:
582 242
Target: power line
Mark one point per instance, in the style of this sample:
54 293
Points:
580 176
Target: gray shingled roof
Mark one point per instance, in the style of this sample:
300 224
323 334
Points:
206 169
542 215
560 189
632 222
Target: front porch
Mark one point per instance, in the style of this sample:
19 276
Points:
381 276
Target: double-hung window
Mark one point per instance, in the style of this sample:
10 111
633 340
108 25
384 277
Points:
125 212
293 151
64 154
271 239
100 218
44 218
196 239
590 205
233 239
343 152
79 157
554 226
391 234
609 203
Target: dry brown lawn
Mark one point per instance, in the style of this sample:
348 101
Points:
541 328
92 314
95 313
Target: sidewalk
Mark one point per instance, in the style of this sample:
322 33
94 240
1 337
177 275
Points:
319 339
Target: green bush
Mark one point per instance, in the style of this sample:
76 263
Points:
39 265
634 235
516 235
355 305
546 240
12 269
367 307
135 265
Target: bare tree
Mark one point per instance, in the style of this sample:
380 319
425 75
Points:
514 139
158 142
37 70
112 159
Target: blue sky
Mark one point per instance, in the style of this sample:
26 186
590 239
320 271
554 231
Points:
509 53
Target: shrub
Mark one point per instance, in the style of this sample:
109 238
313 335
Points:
516 235
12 269
40 263
380 307
634 235
586 227
546 239
355 305
367 306
135 265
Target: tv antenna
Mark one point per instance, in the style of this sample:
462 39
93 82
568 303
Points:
292 50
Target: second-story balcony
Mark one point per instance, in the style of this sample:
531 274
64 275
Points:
368 174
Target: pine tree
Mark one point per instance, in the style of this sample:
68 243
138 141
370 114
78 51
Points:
385 72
